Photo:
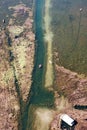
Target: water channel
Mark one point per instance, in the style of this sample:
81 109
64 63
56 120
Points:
39 96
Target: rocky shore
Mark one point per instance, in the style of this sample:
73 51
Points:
16 66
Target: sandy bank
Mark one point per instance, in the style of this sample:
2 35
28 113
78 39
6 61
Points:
48 38
40 118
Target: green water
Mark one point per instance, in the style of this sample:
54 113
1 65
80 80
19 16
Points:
40 95
69 25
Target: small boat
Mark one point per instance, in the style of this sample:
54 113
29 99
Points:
3 20
81 9
40 66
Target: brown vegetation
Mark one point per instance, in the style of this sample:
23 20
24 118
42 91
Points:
16 65
9 103
74 89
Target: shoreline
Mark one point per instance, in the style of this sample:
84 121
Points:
48 39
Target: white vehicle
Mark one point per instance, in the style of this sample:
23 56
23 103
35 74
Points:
68 120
